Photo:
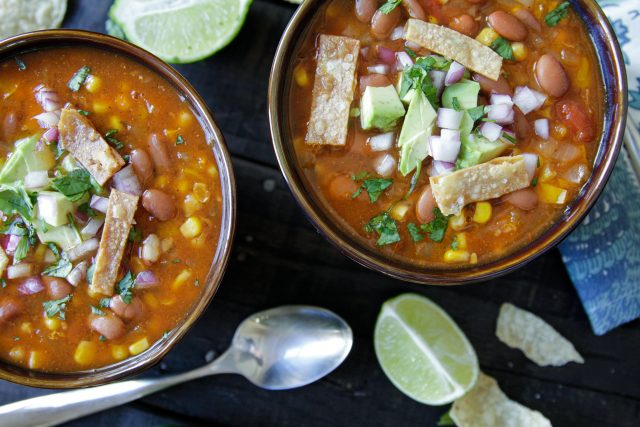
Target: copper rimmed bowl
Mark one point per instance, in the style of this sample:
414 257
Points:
58 38
612 73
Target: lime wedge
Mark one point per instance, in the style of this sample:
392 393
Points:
422 350
180 31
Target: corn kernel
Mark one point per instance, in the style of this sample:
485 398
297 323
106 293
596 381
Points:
52 323
161 181
100 107
184 119
122 101
199 241
150 300
93 83
432 19
461 240
181 279
166 244
458 222
26 327
137 265
138 346
191 228
182 186
487 36
301 76
583 77
35 359
115 123
546 174
119 352
456 256
85 352
559 131
473 259
201 192
482 213
399 211
168 301
213 171
551 194
17 353
191 205
519 51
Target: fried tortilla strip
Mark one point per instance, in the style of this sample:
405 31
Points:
538 340
80 138
333 90
478 183
122 207
486 405
453 45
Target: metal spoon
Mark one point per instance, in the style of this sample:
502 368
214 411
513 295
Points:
277 349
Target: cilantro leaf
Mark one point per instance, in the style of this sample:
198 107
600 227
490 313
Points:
135 235
79 78
90 271
389 6
56 307
456 104
455 244
179 140
104 302
86 209
556 15
418 77
83 112
476 113
96 310
386 228
20 63
125 287
74 185
16 201
374 187
411 53
436 227
414 181
503 48
61 268
22 250
112 140
414 232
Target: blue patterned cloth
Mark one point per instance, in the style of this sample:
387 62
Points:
603 254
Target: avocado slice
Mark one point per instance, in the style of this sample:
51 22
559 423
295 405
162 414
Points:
26 158
465 90
64 236
416 130
54 208
380 108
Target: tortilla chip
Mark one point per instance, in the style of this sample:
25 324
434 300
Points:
539 341
485 405
478 183
21 16
122 207
333 90
82 140
453 45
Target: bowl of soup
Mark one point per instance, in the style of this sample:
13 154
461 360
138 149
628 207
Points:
118 207
447 142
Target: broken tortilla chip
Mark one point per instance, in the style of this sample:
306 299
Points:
21 16
453 45
538 340
485 405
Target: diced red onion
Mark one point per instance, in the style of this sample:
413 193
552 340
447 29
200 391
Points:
498 98
382 142
378 69
384 165
12 243
47 98
397 33
48 119
448 118
92 227
455 73
576 173
51 135
491 131
541 127
386 55
18 271
83 249
441 168
146 279
101 204
444 151
36 179
78 273
403 60
528 100
437 78
502 113
127 181
30 286
411 45
530 163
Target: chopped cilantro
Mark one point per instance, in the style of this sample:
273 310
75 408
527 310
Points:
112 140
386 228
417 77
21 65
61 268
54 248
509 138
414 181
56 307
86 209
90 271
125 287
389 6
414 232
411 53
79 78
534 182
197 282
74 185
360 176
503 48
176 261
455 244
556 15
83 112
3 283
104 302
74 226
476 113
28 238
22 250
16 200
456 104
179 140
102 338
436 227
96 310
374 187
135 235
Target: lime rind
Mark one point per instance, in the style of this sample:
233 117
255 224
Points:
180 32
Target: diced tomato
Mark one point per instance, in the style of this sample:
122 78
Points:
434 8
573 115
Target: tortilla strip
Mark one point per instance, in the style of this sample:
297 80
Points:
80 138
486 405
333 90
122 207
538 340
453 45
4 261
478 183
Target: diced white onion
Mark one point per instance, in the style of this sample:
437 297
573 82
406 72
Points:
448 118
92 227
455 73
541 127
378 69
397 33
150 251
49 257
36 180
78 273
491 131
441 168
576 173
48 119
530 163
437 78
528 100
385 165
101 204
83 249
498 98
501 113
403 60
18 271
382 142
444 151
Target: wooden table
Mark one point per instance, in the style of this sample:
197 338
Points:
279 258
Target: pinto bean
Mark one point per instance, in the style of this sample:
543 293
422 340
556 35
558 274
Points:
142 164
525 199
382 24
508 26
551 76
521 125
375 80
131 311
342 187
426 204
414 9
464 24
488 86
109 326
159 204
529 20
159 154
57 287
10 308
365 10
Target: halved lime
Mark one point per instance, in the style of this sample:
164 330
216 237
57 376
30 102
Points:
180 31
422 350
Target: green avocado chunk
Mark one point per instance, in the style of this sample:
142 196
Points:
416 130
380 108
64 236
26 158
54 208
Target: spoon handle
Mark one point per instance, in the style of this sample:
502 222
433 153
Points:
53 409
